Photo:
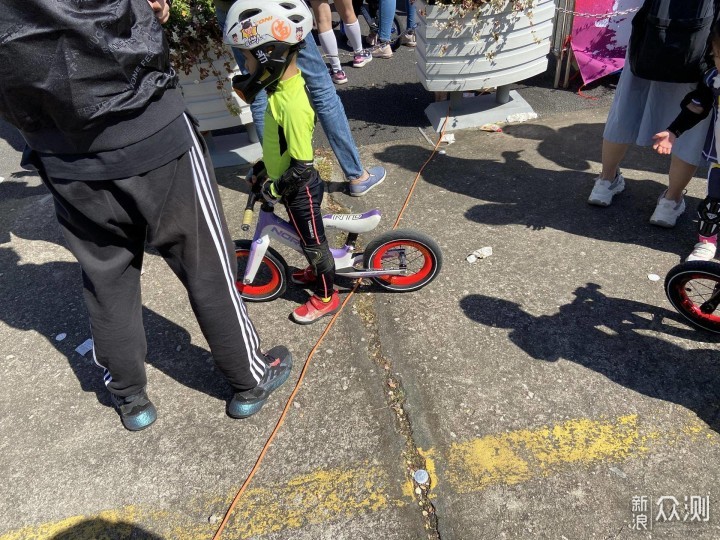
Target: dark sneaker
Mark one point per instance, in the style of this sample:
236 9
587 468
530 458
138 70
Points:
136 412
303 277
315 309
248 402
376 175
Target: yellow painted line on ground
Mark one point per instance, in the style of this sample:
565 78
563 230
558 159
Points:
313 498
519 456
328 494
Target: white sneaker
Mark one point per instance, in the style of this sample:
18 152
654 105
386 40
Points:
604 190
667 211
703 251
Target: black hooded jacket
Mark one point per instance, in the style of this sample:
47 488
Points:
84 76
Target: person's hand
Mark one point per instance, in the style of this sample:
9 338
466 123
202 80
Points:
161 9
663 142
256 174
268 192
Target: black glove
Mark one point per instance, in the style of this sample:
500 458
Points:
299 174
269 193
258 173
701 97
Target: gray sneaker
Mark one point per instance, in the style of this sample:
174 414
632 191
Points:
604 190
667 211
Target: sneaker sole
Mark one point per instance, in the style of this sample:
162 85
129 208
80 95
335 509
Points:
600 202
663 224
690 258
251 409
361 64
141 421
340 82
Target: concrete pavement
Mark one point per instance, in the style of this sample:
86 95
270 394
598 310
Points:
550 390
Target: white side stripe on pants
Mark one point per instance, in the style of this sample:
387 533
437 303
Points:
211 214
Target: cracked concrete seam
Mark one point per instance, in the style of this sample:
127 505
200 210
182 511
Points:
414 460
396 400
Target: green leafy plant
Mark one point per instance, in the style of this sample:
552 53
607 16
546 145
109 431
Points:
195 41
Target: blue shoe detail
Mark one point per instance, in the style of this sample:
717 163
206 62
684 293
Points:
136 412
249 402
377 175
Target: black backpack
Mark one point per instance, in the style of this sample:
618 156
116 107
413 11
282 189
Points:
670 39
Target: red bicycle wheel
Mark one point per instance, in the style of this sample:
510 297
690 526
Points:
270 280
693 288
416 254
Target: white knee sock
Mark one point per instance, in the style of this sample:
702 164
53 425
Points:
354 35
329 45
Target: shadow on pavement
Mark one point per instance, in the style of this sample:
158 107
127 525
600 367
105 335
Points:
574 147
608 335
47 299
10 134
387 107
100 529
514 191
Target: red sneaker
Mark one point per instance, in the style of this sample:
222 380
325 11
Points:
303 277
315 309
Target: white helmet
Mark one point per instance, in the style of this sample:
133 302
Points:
253 23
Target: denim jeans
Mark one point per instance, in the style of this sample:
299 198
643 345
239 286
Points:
386 15
410 9
325 101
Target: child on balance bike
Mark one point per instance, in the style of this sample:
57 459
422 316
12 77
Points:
270 33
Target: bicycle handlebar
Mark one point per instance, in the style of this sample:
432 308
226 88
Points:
249 208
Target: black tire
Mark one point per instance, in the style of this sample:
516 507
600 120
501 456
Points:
398 29
689 286
423 246
271 279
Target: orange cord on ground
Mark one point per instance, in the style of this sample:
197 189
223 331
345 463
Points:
281 420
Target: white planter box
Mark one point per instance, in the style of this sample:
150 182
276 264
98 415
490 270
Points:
469 57
207 103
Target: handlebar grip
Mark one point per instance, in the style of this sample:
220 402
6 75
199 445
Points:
247 219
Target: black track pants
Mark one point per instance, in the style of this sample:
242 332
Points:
177 209
306 217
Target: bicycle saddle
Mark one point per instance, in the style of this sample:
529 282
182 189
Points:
353 223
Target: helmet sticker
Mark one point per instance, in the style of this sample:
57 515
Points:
299 33
280 30
249 32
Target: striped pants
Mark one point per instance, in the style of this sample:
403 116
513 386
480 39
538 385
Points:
176 209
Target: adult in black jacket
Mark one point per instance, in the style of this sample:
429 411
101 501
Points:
90 87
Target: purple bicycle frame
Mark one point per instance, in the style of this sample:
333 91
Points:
270 226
